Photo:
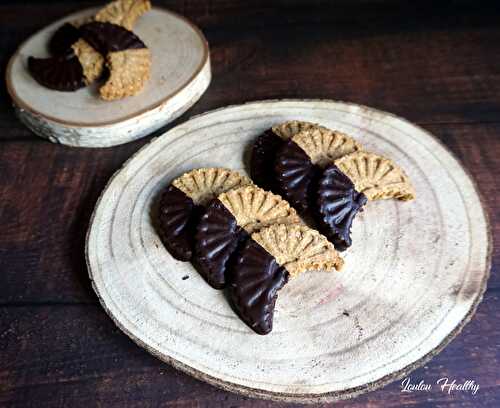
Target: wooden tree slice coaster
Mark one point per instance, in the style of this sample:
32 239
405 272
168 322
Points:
412 279
180 75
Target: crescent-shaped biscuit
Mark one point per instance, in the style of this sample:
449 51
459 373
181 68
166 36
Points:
62 72
183 201
123 12
299 162
267 261
228 221
337 203
266 146
129 71
376 176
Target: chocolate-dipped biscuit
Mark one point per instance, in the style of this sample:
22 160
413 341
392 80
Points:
337 204
254 289
178 217
123 12
107 37
345 186
62 73
63 38
265 148
129 71
267 261
131 67
92 62
376 176
183 201
299 162
127 58
77 68
218 235
295 175
228 221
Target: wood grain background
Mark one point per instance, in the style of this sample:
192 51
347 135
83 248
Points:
438 66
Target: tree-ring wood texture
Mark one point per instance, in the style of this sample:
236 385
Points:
411 281
180 74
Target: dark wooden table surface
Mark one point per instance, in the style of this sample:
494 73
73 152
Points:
436 64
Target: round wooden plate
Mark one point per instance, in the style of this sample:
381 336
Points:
180 75
413 277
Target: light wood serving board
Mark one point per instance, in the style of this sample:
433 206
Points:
180 75
413 277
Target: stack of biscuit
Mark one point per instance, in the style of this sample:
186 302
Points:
102 46
217 219
244 236
326 175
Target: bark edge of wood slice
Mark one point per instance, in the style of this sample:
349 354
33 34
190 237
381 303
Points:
180 75
413 278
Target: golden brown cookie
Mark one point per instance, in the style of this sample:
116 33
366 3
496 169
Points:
267 261
228 221
323 146
376 176
182 204
127 58
298 248
202 185
254 208
289 129
129 71
123 12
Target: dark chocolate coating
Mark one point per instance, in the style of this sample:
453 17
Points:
107 37
218 237
255 281
264 151
63 73
337 203
296 176
63 38
178 216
